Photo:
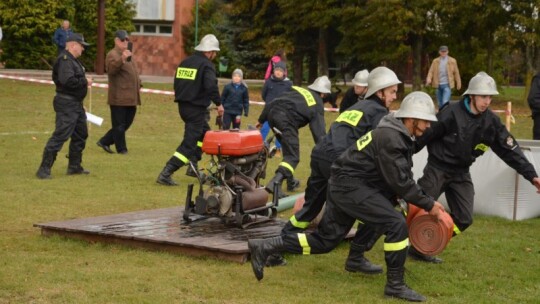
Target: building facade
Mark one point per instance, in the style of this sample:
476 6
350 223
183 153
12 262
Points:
157 39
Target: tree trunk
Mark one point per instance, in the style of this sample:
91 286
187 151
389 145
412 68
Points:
417 45
312 67
297 68
323 52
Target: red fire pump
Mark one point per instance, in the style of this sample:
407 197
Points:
233 193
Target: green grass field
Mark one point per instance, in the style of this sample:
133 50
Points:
494 261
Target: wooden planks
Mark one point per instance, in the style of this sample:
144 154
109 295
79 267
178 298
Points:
164 229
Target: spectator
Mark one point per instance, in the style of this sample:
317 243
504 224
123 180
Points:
61 34
444 76
278 57
123 94
235 100
276 85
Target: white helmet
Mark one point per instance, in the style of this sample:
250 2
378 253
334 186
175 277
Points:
321 85
417 105
360 78
208 43
482 84
380 78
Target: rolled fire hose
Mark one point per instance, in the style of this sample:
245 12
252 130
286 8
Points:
426 234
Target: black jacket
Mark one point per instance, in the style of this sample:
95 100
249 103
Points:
349 99
350 125
301 110
534 95
195 82
274 87
69 76
235 99
381 162
459 137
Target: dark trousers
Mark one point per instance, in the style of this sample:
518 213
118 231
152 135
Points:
459 191
287 134
229 119
536 126
121 119
70 123
315 196
343 208
196 125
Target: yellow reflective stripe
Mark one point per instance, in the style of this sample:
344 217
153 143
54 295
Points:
363 141
310 100
481 147
199 144
456 230
186 73
286 165
181 157
302 239
396 246
297 224
351 117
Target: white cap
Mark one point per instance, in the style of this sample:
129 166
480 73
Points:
208 43
417 105
360 78
380 78
482 84
321 85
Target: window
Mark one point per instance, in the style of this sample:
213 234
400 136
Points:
154 17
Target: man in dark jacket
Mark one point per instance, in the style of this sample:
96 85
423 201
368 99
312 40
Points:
286 115
352 124
71 89
123 94
364 181
61 35
357 92
534 104
466 130
195 87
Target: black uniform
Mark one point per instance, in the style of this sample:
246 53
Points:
286 115
349 99
195 87
454 143
364 180
352 124
534 104
71 89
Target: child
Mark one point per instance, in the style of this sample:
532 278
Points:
235 99
274 86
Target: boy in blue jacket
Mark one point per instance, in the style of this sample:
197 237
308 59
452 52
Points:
235 100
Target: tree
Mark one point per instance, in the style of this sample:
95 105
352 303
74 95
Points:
28 28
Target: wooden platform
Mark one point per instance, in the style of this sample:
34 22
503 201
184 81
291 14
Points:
164 229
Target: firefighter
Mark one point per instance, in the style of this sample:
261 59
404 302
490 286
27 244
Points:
364 181
350 125
286 115
466 130
195 87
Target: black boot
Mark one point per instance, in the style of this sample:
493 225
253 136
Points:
356 262
292 183
418 256
276 259
260 250
74 165
44 171
278 178
396 287
164 177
